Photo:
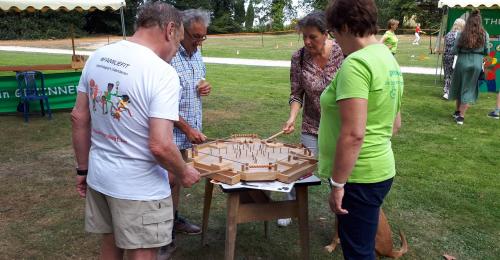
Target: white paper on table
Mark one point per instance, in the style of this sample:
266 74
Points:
259 185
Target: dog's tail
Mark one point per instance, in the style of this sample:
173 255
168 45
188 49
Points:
402 250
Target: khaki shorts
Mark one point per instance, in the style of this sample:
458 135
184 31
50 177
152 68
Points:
135 224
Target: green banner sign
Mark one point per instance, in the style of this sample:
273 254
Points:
491 19
60 87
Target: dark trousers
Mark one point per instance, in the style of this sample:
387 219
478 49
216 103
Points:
358 228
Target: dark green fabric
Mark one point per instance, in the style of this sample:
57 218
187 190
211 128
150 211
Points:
464 82
491 19
60 87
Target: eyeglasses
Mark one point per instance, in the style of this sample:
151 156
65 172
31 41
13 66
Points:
196 38
331 34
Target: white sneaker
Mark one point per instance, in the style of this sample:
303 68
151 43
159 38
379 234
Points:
283 222
445 96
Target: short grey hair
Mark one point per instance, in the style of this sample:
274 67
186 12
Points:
157 14
458 25
195 15
315 19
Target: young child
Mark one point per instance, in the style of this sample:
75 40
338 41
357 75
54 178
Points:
417 34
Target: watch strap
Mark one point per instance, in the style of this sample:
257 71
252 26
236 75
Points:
81 172
336 184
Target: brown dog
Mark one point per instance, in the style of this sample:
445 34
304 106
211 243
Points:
383 240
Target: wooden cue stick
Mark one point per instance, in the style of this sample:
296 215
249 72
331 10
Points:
296 156
205 174
275 135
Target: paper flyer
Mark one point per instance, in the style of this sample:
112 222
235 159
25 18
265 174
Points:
258 185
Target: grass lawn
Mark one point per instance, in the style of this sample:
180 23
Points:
276 47
281 47
9 58
444 198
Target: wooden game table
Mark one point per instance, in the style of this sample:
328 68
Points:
249 205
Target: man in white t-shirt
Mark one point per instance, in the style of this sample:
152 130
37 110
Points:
128 100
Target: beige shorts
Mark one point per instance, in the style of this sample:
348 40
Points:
135 224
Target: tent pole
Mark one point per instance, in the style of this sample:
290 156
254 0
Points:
123 22
441 35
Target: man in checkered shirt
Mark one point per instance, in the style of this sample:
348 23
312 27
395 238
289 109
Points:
189 65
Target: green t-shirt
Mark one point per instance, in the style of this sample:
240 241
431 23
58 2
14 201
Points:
391 40
371 73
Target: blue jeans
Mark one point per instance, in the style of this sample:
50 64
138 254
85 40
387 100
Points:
311 142
358 228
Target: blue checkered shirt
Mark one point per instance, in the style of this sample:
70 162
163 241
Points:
191 70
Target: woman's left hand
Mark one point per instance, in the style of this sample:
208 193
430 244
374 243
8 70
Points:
335 201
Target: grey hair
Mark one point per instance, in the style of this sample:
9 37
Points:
315 19
157 14
458 25
195 15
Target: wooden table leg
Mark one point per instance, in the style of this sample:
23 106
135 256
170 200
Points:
302 202
207 201
233 204
266 229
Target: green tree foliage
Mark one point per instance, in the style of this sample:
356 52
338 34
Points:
239 12
277 14
228 16
38 25
395 9
103 22
317 4
273 13
426 11
250 16
429 15
223 19
189 4
130 14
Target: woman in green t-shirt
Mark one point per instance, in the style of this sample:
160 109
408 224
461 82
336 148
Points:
389 39
360 111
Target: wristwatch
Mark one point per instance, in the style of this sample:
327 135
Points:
81 172
335 184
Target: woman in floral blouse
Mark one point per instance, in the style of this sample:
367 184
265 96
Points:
449 41
312 68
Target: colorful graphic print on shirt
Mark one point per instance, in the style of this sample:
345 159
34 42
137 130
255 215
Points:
110 101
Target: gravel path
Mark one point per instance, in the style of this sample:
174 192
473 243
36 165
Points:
214 60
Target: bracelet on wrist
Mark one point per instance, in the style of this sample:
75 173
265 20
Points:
336 184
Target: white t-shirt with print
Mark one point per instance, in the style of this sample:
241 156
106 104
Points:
127 84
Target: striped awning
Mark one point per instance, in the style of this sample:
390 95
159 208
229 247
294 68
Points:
469 3
66 5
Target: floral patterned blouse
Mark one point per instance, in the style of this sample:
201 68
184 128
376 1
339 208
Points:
308 81
449 41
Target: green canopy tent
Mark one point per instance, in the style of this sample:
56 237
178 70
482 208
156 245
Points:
453 9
